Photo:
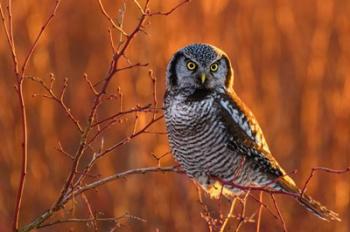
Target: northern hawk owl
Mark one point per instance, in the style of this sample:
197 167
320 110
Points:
214 136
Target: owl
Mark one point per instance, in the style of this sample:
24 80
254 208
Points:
213 135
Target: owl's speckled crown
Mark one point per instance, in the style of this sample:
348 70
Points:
203 53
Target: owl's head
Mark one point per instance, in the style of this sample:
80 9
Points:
199 66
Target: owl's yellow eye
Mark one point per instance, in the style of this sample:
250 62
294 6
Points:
190 65
214 67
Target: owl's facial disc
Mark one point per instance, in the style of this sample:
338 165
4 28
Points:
208 76
199 66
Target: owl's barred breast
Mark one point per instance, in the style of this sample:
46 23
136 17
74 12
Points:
200 141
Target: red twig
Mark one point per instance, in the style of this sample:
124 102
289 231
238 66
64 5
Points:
264 188
58 98
279 213
111 40
97 102
323 169
242 217
158 158
73 182
132 66
91 212
109 18
35 43
89 220
154 91
261 203
60 149
126 140
116 115
19 89
9 36
169 11
91 86
122 175
258 220
111 72
24 145
229 216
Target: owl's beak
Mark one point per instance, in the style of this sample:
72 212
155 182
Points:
203 78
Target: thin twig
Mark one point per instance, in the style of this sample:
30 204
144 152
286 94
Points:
258 220
19 88
84 136
73 183
154 90
78 220
92 214
169 11
9 38
126 140
104 12
229 216
322 169
132 66
122 175
35 43
116 115
24 146
279 213
59 98
261 203
242 218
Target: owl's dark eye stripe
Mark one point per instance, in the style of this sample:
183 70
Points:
172 68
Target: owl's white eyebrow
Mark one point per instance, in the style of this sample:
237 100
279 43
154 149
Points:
186 58
216 61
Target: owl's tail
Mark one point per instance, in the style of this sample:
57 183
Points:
310 204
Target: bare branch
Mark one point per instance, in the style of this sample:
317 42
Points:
91 86
60 149
126 140
132 66
79 220
170 11
120 176
258 221
9 37
242 218
229 216
89 207
73 185
139 6
42 29
322 169
58 98
104 12
154 90
137 109
279 213
111 40
19 88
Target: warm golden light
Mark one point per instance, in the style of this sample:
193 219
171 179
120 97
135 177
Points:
292 67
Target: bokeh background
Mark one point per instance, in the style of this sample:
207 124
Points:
292 68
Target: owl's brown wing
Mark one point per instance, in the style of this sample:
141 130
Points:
247 137
246 133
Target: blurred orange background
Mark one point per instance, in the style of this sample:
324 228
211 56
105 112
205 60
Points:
292 68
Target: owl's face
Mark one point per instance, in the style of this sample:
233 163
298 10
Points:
199 66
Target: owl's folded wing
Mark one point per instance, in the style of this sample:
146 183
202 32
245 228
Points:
246 133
